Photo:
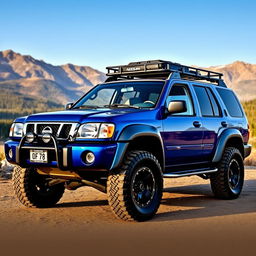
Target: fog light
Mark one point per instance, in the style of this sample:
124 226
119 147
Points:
30 137
90 157
10 153
46 138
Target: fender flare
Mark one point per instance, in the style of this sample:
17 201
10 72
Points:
222 142
130 133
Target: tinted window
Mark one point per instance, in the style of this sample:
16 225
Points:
204 101
178 90
181 92
215 105
231 102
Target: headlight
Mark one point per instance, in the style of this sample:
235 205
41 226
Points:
16 130
96 130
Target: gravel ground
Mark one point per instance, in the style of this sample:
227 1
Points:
190 220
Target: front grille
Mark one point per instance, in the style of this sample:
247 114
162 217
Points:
30 128
64 132
59 130
54 127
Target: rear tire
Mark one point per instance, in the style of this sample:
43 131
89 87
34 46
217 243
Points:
228 182
135 191
33 190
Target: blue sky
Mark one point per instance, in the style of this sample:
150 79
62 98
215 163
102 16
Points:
101 33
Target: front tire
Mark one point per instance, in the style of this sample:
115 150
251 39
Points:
228 182
135 191
33 190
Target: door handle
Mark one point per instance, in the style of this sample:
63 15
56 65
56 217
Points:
224 123
197 124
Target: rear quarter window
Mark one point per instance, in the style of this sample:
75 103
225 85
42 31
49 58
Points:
231 102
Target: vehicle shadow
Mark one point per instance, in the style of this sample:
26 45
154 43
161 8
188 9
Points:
191 202
197 201
82 204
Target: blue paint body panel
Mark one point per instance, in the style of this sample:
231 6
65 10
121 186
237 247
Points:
182 142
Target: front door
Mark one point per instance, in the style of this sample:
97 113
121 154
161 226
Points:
182 133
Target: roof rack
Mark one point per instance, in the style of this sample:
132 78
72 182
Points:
163 70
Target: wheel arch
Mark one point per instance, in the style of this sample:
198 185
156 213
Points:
228 138
139 137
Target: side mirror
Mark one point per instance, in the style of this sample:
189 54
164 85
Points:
177 106
69 105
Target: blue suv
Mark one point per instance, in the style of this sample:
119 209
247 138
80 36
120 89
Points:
150 120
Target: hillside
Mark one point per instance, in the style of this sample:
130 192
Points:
29 85
24 75
241 77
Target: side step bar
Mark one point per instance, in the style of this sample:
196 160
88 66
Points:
189 173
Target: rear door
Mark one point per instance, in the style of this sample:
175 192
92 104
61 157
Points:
182 134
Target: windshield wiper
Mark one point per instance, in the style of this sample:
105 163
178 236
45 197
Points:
86 107
117 105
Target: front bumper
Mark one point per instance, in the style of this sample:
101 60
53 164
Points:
68 156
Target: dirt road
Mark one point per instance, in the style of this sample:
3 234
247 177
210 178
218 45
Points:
189 219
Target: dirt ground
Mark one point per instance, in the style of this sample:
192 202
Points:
189 220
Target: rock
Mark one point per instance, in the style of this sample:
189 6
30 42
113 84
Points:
6 169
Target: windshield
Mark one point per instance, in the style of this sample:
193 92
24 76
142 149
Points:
130 95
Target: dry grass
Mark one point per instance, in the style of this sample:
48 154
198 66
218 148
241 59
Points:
2 152
2 156
253 142
251 160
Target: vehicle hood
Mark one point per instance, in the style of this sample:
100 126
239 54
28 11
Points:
80 116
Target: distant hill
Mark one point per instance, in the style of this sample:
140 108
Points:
241 77
28 77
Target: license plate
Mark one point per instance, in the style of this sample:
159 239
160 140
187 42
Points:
38 156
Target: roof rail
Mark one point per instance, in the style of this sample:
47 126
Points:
163 70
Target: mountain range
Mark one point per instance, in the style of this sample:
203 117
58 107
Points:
241 77
25 77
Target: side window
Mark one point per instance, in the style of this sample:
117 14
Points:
181 92
231 102
215 104
204 101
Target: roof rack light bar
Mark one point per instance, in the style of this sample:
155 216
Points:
160 68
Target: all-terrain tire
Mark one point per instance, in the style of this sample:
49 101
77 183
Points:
135 190
227 182
32 190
